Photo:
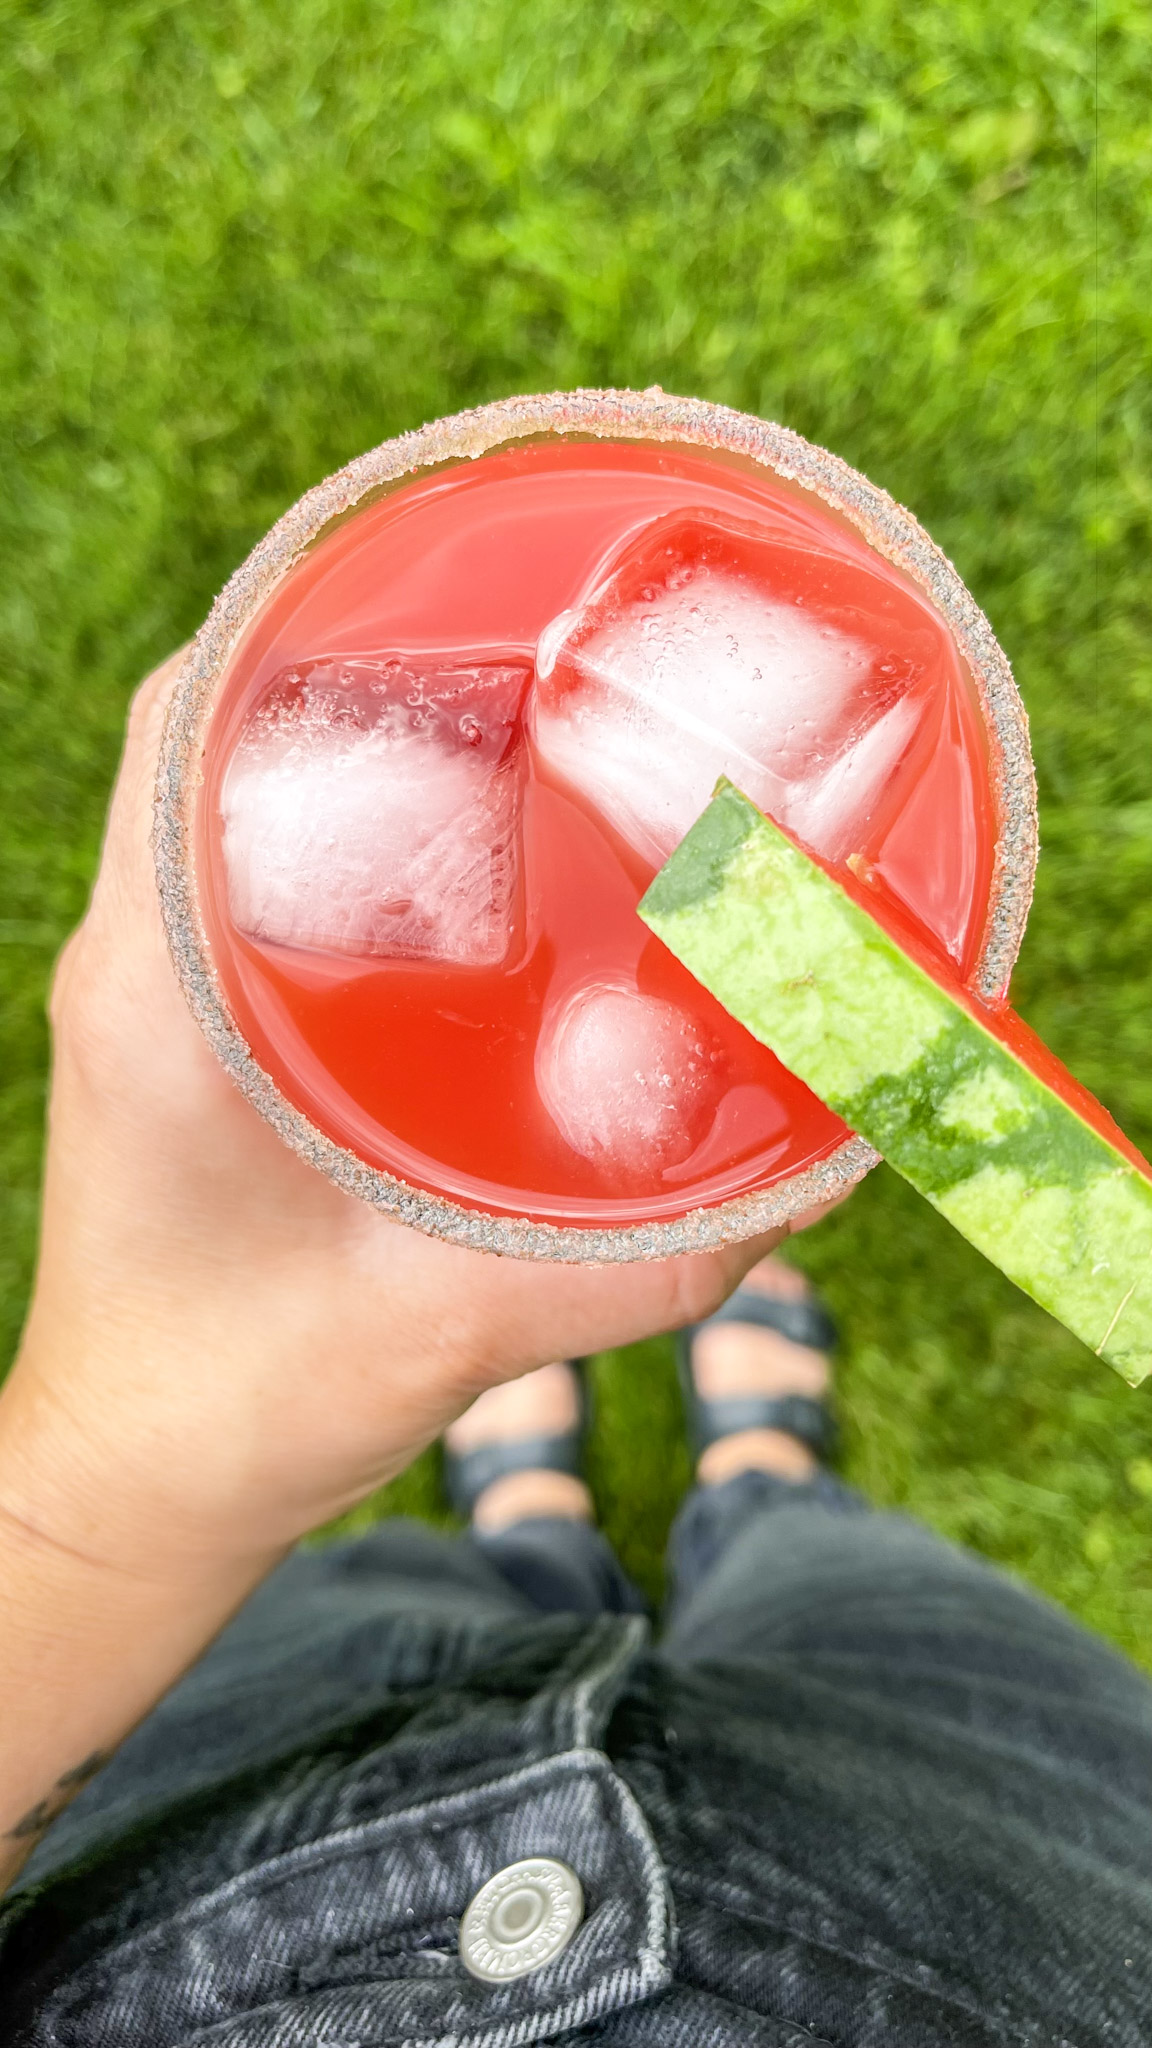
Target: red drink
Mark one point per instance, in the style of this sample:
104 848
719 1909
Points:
422 829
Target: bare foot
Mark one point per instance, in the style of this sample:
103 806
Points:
542 1403
741 1358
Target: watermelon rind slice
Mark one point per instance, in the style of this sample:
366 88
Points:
913 1068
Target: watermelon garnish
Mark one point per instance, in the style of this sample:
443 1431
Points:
959 1095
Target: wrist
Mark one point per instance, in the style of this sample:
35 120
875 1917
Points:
204 1443
89 1641
89 1471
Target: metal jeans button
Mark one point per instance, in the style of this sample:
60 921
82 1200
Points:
521 1919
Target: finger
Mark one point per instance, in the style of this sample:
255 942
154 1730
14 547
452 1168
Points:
130 811
808 1217
124 898
735 1260
596 1308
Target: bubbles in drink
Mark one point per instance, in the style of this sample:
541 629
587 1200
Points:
372 808
629 1079
709 651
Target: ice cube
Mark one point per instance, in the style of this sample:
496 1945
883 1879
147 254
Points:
709 650
829 810
629 1079
372 808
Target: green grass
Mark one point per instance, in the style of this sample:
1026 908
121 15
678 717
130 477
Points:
238 244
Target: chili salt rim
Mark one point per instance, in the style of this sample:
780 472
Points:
617 415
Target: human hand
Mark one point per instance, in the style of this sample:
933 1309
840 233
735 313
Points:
225 1350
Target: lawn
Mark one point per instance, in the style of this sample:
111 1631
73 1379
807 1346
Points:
238 244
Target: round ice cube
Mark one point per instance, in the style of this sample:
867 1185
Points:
628 1079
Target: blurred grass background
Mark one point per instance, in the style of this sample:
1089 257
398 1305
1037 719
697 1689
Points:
240 243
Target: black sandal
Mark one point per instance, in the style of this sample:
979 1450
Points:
807 1322
468 1474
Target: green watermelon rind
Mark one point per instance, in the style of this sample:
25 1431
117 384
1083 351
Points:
1017 1170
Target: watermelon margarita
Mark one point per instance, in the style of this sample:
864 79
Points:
426 773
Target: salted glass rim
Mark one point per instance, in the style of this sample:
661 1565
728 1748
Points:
611 415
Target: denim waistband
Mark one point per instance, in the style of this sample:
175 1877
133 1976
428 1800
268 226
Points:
350 1935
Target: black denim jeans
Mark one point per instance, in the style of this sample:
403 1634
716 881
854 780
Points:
865 1791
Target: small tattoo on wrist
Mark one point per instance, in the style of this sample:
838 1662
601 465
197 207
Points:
41 1816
